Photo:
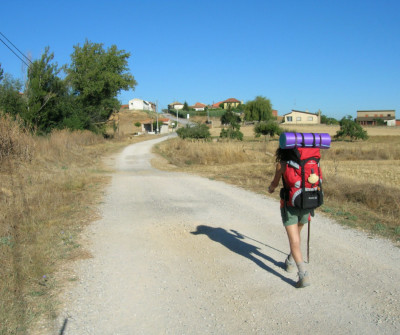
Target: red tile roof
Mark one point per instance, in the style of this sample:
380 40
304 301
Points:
232 100
199 105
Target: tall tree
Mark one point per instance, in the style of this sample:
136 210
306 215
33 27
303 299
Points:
44 92
11 101
259 109
97 76
1 73
350 128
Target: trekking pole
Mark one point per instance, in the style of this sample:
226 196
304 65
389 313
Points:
308 239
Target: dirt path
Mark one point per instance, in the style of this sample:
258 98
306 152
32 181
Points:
180 254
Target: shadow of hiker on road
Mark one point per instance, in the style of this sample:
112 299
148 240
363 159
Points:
234 243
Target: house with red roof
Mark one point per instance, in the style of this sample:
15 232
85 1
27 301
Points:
198 106
228 103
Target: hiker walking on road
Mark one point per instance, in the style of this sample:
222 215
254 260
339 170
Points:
293 219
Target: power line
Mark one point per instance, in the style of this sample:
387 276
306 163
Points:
14 51
16 47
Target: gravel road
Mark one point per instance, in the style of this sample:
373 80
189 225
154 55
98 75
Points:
180 254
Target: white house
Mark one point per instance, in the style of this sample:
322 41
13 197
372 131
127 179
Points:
139 104
198 106
298 117
175 105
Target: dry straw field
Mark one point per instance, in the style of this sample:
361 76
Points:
49 189
361 178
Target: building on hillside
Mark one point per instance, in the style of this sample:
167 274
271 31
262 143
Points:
175 105
299 117
139 104
149 125
375 117
231 103
228 103
198 106
124 107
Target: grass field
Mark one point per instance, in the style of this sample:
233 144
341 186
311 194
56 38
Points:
361 179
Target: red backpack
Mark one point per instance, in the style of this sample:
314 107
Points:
302 180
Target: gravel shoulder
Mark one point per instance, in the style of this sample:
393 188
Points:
180 254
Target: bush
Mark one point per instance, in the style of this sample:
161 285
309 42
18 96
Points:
232 133
270 128
230 118
350 128
197 132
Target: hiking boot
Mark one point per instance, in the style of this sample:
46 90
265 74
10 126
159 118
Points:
290 266
304 280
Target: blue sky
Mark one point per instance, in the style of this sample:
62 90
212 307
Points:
336 56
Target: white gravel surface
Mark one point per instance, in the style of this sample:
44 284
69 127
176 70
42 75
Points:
150 274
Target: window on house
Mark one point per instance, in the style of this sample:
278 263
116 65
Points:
298 118
289 119
388 115
310 118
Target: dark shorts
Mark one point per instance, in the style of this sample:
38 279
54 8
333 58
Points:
294 216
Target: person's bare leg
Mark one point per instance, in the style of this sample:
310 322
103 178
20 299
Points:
293 233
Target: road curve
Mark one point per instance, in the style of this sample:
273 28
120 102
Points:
179 254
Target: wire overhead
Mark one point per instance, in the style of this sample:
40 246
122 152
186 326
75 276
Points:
14 51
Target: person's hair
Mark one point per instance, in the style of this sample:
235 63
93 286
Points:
283 154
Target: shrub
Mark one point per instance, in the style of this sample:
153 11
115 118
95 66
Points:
232 133
198 131
270 128
350 128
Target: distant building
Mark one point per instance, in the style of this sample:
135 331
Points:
372 117
299 117
139 104
198 106
175 105
228 103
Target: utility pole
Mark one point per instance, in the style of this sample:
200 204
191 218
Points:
157 115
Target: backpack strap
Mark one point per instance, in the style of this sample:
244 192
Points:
284 196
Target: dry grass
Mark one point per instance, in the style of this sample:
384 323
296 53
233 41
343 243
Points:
46 188
49 190
362 179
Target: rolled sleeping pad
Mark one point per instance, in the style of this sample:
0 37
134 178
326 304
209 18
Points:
305 140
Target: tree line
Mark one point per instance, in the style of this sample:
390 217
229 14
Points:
81 95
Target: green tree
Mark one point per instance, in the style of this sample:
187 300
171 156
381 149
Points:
259 109
11 100
328 120
45 92
97 76
230 117
1 73
233 120
350 128
185 106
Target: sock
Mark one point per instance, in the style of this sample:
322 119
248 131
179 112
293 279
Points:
301 266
